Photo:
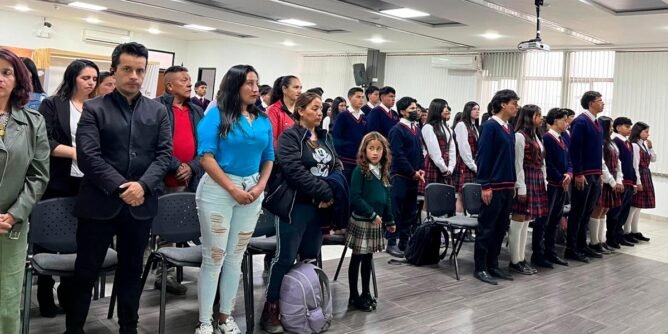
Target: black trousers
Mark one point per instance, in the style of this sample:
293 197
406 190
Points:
616 217
545 230
493 222
93 240
348 171
301 237
582 205
404 205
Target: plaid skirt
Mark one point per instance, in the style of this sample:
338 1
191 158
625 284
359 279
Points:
645 199
432 175
536 203
609 198
462 175
365 237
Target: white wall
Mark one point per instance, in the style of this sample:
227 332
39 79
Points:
334 74
270 63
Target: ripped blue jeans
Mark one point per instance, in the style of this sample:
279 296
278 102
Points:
227 227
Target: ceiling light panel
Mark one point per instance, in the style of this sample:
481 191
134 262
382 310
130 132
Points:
404 13
87 6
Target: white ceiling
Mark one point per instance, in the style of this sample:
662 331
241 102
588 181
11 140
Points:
256 18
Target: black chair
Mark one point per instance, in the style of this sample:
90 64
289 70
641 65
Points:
441 208
53 227
176 222
263 242
341 240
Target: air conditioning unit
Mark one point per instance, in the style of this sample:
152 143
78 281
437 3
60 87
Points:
457 62
106 36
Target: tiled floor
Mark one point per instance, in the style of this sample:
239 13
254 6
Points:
623 293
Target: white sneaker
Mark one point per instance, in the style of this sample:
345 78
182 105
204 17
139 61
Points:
204 328
229 327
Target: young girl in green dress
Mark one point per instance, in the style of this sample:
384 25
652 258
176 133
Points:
371 214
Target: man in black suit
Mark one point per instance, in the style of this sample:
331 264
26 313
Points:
200 92
124 147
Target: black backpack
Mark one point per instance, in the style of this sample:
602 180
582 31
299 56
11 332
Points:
424 246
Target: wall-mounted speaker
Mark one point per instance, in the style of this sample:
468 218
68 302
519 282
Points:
359 73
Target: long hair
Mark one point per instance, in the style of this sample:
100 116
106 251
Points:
466 116
606 124
68 87
335 108
524 121
456 119
277 90
36 84
20 95
636 130
229 100
434 117
385 160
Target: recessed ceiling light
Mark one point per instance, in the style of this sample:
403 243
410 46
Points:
376 40
198 27
491 35
585 2
154 31
22 8
288 42
297 22
404 13
93 20
88 6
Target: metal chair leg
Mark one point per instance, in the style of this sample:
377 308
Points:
112 299
248 293
103 284
179 274
27 301
163 296
96 289
318 259
338 268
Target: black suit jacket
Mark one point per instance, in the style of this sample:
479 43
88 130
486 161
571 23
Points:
196 115
195 99
118 143
56 112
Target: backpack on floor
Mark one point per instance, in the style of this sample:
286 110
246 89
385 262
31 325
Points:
305 302
424 246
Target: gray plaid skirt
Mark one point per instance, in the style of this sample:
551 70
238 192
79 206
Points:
365 237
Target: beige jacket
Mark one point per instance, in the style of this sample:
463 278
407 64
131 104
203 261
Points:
24 163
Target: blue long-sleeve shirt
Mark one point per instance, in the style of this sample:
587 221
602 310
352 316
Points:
586 147
245 147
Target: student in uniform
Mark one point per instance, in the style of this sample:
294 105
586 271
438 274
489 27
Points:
569 119
466 135
531 199
643 154
382 118
617 216
611 193
349 129
372 95
372 214
586 152
559 173
496 176
406 146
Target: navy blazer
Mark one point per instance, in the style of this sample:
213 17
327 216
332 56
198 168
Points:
118 143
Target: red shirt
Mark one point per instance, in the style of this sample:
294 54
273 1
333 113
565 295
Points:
184 141
280 119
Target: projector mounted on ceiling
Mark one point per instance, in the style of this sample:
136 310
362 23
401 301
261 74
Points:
536 43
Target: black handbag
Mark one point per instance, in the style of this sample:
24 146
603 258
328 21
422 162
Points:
280 195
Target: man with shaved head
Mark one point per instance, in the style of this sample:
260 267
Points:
184 169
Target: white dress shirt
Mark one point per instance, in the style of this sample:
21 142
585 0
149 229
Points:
637 146
520 141
607 177
465 153
434 149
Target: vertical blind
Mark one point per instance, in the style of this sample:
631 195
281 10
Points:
641 83
549 79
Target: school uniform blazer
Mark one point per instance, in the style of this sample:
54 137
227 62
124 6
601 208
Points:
118 143
56 113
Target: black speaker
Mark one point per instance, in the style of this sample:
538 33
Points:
360 74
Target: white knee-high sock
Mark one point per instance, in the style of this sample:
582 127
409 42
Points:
629 221
593 230
523 236
601 230
515 240
636 219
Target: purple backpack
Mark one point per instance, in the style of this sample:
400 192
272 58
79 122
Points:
306 303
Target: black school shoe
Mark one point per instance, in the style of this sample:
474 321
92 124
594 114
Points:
372 301
630 238
361 304
640 237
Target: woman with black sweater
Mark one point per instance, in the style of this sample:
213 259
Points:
305 157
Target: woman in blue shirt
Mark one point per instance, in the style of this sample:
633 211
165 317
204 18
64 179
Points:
37 95
233 144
